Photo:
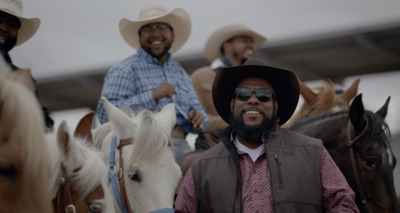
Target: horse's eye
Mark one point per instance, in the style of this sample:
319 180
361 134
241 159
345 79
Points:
95 207
371 163
9 172
135 177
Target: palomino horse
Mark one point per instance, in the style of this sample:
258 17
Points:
143 171
24 173
78 175
359 142
325 100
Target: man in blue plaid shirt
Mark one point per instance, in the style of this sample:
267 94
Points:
150 79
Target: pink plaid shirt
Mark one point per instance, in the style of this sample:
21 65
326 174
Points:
256 188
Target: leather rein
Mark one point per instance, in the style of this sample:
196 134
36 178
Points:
354 164
63 200
116 175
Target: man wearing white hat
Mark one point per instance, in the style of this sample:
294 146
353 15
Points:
229 46
150 79
15 30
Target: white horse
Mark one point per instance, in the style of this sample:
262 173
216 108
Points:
24 173
140 153
78 175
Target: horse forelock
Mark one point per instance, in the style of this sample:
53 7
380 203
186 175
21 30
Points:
149 139
92 173
377 135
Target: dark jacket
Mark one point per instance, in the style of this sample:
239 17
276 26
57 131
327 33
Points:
294 161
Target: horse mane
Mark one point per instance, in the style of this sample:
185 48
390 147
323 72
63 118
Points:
21 123
318 118
148 143
100 133
375 124
22 136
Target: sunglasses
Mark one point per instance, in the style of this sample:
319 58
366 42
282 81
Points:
263 95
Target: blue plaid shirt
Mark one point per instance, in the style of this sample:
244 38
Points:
130 84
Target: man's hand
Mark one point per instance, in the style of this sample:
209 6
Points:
197 119
165 90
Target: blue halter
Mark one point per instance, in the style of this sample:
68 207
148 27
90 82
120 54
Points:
112 175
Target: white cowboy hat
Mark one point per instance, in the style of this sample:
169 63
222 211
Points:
215 41
28 26
155 12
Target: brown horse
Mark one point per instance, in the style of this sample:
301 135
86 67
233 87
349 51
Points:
325 100
24 173
359 142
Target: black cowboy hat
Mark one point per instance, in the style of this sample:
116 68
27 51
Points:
284 82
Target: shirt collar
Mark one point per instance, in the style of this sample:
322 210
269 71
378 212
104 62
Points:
233 138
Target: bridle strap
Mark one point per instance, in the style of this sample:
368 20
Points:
120 195
310 110
64 192
121 180
353 162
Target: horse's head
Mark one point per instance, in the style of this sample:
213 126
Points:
150 172
370 138
23 167
325 100
79 175
361 135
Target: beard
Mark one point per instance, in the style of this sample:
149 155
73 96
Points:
8 45
251 133
158 56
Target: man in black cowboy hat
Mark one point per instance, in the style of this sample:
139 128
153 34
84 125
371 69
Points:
15 30
260 167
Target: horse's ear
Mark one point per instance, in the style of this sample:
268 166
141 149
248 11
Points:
306 91
84 127
167 117
63 137
351 92
383 110
118 118
356 113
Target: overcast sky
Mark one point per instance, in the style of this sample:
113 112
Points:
77 36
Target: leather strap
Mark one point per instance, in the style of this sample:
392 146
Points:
354 164
63 200
118 176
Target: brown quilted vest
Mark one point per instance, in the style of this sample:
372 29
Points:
294 161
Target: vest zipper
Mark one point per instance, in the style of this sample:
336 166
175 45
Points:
278 166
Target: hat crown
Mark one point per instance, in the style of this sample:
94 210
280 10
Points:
152 10
13 7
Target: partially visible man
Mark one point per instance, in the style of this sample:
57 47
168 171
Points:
229 46
259 166
150 79
15 30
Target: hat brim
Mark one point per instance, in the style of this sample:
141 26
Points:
28 28
284 83
178 19
214 43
